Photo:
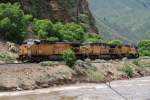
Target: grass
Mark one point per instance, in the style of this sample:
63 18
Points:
7 58
128 70
49 63
142 62
94 76
87 69
136 62
145 64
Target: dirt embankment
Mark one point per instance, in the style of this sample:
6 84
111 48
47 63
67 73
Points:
34 76
8 52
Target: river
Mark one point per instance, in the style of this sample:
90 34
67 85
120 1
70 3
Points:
135 89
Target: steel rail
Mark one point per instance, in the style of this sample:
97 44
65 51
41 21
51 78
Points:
15 63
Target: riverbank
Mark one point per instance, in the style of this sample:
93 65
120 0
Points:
47 74
119 90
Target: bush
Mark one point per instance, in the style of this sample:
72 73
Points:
7 58
48 63
136 62
53 39
99 61
128 71
92 37
115 42
79 62
88 60
144 48
69 57
94 76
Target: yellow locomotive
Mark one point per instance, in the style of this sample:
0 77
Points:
40 50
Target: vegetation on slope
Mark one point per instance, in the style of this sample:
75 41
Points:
13 23
7 57
59 10
69 57
144 48
122 19
15 26
69 32
115 42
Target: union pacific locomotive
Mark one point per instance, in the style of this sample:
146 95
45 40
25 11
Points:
41 50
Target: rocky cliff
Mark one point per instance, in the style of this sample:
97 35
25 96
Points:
62 10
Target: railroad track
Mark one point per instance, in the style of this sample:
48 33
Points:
15 63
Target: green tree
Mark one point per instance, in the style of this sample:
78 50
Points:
72 32
13 22
115 42
69 32
9 1
144 48
42 28
69 57
56 30
53 39
92 37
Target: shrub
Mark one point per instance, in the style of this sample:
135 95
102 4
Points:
7 58
53 39
48 63
69 57
136 62
144 48
79 62
128 71
99 61
115 42
92 37
94 76
88 60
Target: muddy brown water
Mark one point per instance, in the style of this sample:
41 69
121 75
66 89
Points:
136 89
73 92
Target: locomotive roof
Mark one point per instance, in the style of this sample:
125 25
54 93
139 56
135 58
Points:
75 43
31 40
87 43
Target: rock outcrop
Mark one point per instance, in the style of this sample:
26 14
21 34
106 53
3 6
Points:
61 10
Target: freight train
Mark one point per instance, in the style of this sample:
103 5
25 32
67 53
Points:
41 50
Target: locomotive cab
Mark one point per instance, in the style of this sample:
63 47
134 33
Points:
134 52
24 49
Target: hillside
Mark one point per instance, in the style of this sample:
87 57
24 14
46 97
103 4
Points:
125 19
59 10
